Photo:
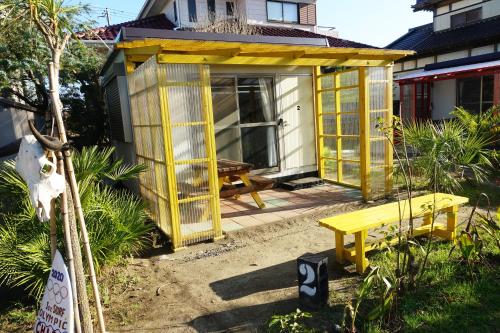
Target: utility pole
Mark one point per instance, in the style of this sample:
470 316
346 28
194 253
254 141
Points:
105 13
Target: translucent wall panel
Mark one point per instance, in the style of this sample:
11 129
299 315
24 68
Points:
380 112
149 142
328 136
339 117
173 135
353 150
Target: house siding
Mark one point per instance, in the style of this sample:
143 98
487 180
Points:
257 14
444 98
483 50
442 20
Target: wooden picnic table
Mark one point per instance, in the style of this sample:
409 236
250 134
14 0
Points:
231 171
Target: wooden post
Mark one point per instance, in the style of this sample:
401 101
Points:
338 125
451 221
69 248
389 154
364 132
319 121
339 247
57 112
360 245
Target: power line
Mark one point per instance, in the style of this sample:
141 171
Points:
105 13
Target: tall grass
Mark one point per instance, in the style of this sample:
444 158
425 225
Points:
116 220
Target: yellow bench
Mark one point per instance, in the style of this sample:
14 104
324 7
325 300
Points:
359 222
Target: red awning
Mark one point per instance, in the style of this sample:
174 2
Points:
451 72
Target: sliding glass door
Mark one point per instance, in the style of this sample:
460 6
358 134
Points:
245 120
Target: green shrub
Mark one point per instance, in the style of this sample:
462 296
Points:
445 154
116 220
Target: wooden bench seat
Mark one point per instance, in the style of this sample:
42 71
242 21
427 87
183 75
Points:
257 183
359 222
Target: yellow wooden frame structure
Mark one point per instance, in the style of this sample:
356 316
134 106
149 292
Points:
204 52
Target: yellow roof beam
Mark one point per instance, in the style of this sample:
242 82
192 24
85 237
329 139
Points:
265 61
225 51
204 46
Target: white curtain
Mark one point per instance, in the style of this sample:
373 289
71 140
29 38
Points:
266 87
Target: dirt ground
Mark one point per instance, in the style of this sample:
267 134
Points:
234 285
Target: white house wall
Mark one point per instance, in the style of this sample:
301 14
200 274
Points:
444 97
443 19
453 55
257 14
168 10
482 50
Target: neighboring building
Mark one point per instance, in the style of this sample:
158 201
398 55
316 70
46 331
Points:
457 60
277 92
189 14
299 14
13 126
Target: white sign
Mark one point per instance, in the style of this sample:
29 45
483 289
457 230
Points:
56 310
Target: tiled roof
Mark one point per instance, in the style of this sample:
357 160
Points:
425 41
412 38
161 22
110 32
292 32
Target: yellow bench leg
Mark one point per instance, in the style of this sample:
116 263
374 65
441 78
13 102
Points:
451 222
360 244
427 219
255 195
221 182
339 247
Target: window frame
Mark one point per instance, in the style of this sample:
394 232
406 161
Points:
230 8
482 104
283 12
192 11
176 18
239 125
466 18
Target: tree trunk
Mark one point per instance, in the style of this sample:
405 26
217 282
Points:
81 287
69 245
57 110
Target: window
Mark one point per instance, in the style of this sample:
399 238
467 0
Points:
245 120
175 12
192 11
282 12
211 7
307 13
476 93
229 8
470 16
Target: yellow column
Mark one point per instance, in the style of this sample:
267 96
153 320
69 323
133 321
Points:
319 121
388 158
338 121
169 159
360 245
339 247
364 131
213 179
451 222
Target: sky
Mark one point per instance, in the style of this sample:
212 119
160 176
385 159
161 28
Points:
373 22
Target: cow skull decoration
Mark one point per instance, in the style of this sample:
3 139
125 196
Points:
40 174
